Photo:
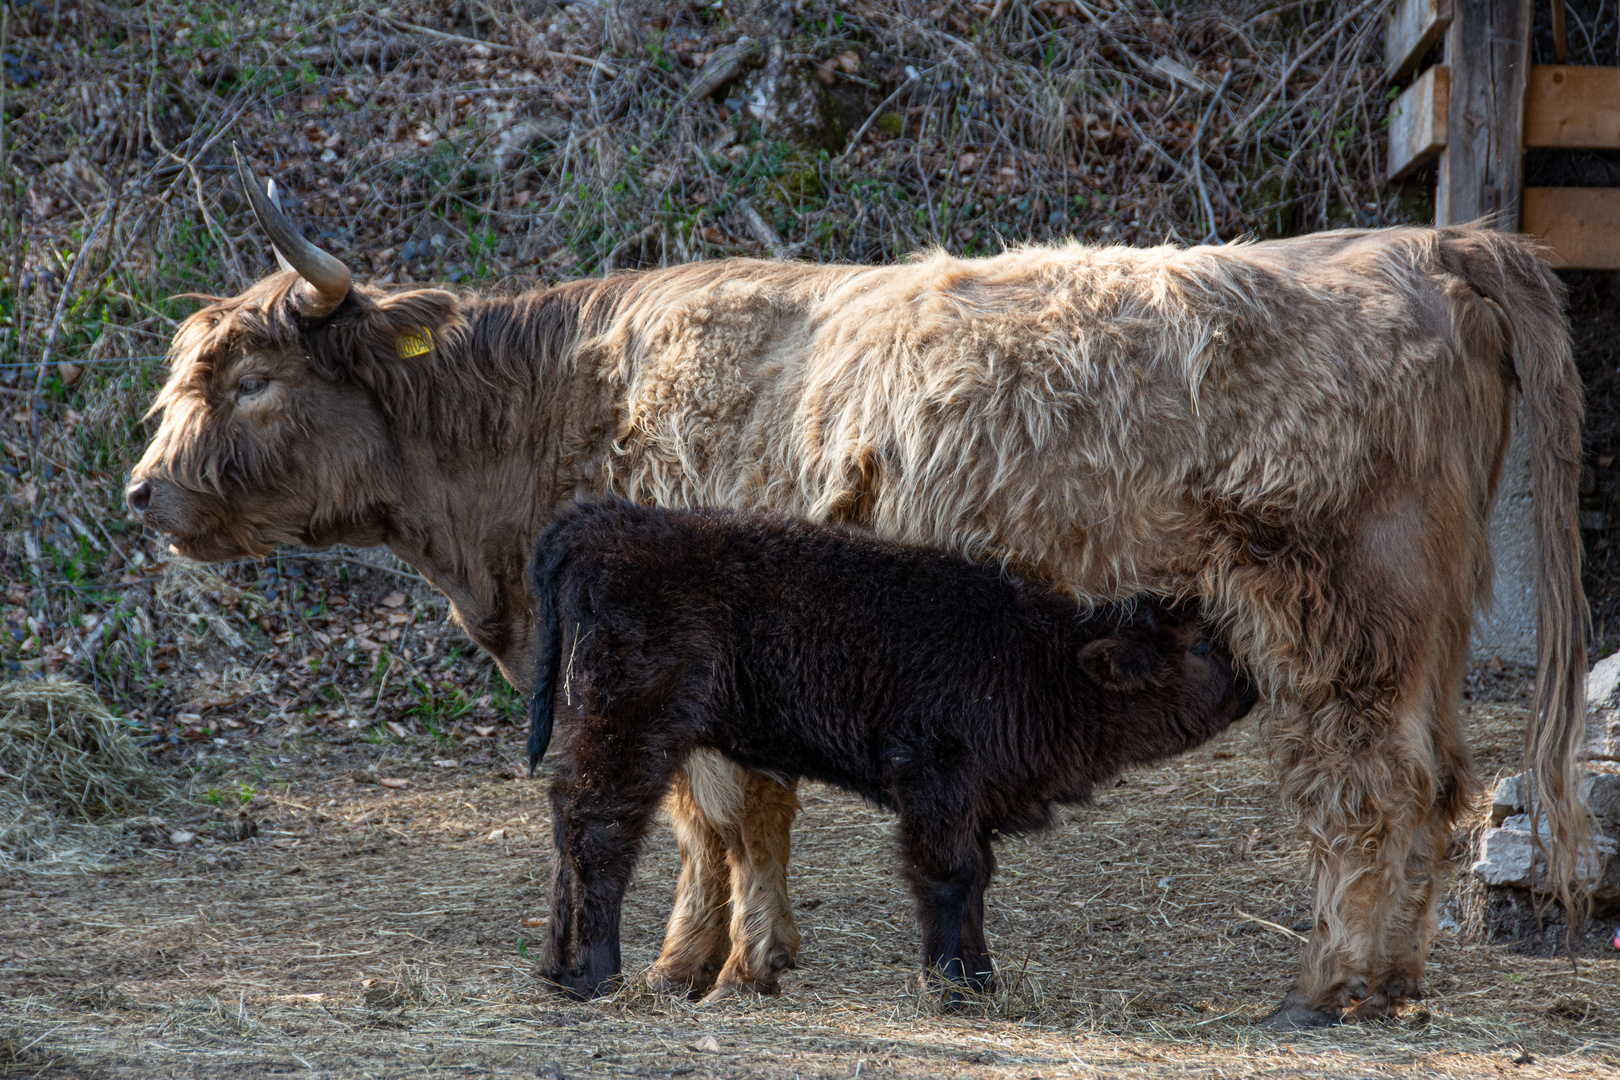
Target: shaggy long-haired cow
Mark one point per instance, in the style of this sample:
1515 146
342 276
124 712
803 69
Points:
1306 434
965 700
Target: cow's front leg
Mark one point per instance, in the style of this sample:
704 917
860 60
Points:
698 939
764 939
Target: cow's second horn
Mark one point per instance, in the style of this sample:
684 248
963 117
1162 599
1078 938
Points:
326 279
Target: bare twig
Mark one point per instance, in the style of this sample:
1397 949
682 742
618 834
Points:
91 644
495 46
1198 158
61 304
1304 55
912 77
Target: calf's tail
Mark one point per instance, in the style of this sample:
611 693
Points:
543 579
1509 272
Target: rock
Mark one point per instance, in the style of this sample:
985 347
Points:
1600 790
1505 858
1603 710
1505 802
182 839
791 104
1603 799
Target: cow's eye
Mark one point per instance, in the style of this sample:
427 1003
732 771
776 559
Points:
1202 648
251 385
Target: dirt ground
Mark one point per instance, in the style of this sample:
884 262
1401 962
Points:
384 931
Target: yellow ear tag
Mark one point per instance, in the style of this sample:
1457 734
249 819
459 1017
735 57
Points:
415 344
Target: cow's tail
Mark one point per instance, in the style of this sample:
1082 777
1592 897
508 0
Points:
1510 272
550 557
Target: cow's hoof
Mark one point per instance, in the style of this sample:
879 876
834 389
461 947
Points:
1370 1012
682 983
1299 1018
724 992
668 984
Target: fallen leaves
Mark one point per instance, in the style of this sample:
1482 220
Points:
393 781
496 834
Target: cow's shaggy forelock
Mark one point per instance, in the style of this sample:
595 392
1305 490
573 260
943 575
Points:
193 447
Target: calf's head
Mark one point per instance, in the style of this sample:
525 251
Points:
276 424
1162 660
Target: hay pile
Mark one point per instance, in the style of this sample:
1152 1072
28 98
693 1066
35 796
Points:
69 772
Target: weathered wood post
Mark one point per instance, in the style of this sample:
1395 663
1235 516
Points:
1481 173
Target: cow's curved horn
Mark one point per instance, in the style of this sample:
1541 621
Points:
326 279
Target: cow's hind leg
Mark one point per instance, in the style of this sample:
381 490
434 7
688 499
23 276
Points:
1373 759
1397 972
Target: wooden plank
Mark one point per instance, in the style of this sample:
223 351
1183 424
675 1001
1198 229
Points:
1560 38
1417 121
1481 171
1581 225
1414 26
1573 106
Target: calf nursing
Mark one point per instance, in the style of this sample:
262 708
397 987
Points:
965 700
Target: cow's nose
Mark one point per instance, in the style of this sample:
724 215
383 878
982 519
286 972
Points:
138 495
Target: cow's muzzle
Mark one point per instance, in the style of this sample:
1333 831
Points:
139 495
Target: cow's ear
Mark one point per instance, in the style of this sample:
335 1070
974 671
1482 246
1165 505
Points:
1118 665
410 325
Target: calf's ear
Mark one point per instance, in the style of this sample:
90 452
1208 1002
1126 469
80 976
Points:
1118 665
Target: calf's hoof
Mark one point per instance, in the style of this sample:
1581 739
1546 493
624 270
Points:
1299 1017
580 986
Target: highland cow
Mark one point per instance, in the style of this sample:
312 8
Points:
1306 434
965 700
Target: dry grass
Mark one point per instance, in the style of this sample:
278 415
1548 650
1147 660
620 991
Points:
377 931
67 767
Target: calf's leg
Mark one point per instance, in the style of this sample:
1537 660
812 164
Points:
598 819
980 972
943 866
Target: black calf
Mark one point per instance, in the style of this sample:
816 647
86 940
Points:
966 700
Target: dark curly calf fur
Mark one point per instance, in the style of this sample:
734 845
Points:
965 700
